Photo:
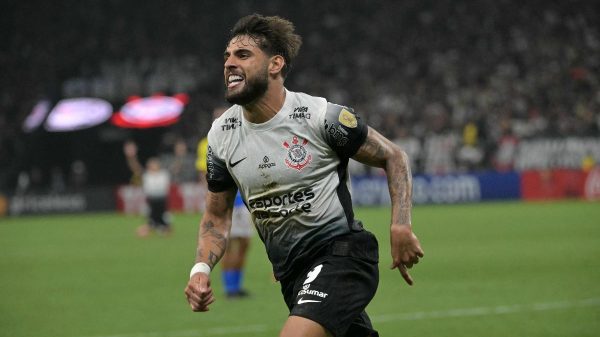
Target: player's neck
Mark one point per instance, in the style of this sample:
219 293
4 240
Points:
267 106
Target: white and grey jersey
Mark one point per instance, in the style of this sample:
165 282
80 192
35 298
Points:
291 172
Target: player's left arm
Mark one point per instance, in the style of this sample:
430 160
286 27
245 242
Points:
380 152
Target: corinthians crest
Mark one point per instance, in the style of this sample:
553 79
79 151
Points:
297 156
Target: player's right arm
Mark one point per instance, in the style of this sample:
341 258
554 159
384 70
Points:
214 227
212 242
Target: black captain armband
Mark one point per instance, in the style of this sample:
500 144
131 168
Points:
345 132
217 176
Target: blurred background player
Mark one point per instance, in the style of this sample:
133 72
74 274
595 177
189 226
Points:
232 263
180 163
155 182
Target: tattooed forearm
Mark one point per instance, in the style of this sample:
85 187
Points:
213 259
214 227
400 187
209 231
216 248
380 152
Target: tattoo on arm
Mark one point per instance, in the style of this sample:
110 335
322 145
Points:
219 241
380 152
372 152
217 238
400 186
213 259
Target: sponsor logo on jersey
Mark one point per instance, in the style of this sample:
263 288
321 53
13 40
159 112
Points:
299 115
347 119
231 123
300 112
282 206
297 156
337 132
266 163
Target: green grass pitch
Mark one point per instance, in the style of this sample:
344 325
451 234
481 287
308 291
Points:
491 269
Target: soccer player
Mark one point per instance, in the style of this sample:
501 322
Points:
287 153
232 263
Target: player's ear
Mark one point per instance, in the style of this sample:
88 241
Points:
276 64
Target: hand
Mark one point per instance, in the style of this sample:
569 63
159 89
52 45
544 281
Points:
199 293
406 250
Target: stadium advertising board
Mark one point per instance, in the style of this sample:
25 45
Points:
370 190
97 199
561 184
592 185
47 203
443 189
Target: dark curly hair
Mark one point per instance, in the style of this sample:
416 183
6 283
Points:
273 35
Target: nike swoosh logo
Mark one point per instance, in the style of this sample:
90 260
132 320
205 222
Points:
237 162
300 301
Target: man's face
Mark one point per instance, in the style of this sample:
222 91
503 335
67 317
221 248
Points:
153 165
246 71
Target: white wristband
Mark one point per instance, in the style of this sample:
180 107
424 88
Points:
200 267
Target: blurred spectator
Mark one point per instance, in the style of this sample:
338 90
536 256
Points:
155 184
410 144
506 149
23 183
588 163
78 175
57 180
181 163
441 143
470 154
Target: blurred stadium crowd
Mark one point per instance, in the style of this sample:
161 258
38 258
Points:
449 80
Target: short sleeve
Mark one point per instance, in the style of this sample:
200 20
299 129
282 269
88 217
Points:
217 176
345 132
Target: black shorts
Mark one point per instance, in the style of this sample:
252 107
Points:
158 217
336 287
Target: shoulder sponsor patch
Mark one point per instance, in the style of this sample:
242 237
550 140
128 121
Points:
231 123
347 119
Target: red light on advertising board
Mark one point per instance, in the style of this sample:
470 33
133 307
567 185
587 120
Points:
150 112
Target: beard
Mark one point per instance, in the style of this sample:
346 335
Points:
254 88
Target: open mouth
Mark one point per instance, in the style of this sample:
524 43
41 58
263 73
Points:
234 80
